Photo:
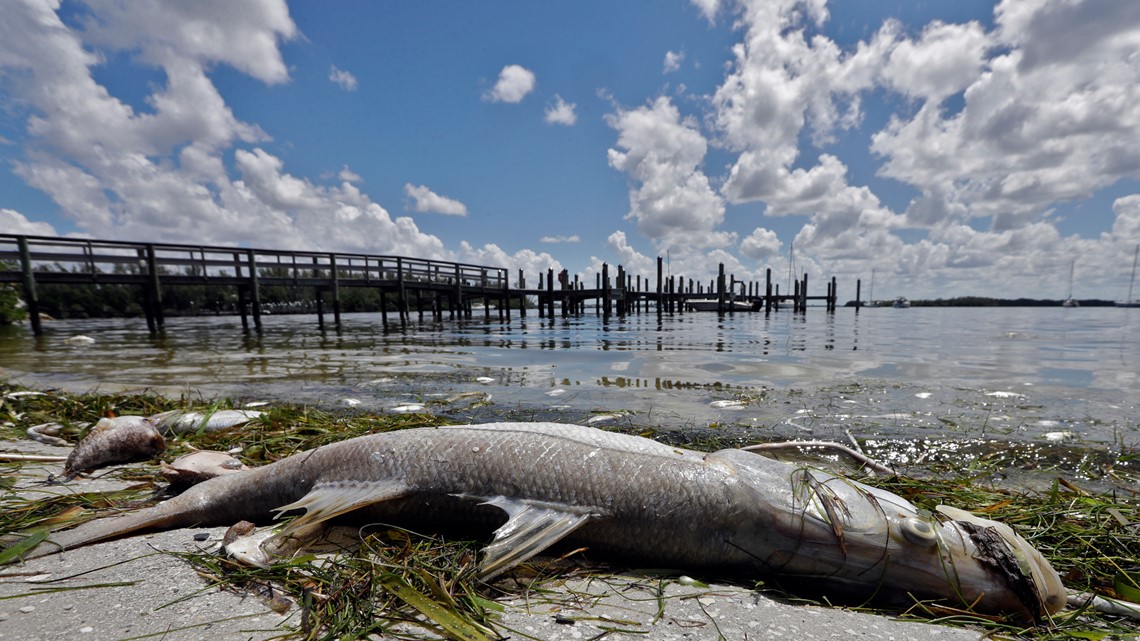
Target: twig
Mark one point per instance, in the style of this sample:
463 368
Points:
50 458
858 456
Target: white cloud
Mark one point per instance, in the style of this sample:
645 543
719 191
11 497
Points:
530 262
673 60
243 35
162 174
13 222
1048 117
708 8
554 240
424 200
945 59
561 112
661 152
344 79
1126 226
761 244
348 175
514 83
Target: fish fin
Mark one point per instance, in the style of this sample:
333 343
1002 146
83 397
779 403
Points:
531 528
327 500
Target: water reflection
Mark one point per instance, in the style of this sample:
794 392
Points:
1062 360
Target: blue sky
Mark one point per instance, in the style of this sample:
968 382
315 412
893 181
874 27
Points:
966 148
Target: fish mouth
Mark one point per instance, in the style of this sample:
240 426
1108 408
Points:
1009 559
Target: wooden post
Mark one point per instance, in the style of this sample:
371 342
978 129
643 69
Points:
550 292
541 300
720 289
401 293
154 290
145 292
768 290
31 298
335 289
834 294
320 309
803 294
254 290
522 294
605 287
660 293
858 294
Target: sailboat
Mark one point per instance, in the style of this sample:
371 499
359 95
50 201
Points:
1131 302
1070 301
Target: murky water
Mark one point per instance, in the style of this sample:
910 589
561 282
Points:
1044 375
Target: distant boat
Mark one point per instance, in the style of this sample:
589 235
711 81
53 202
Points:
1069 300
1131 302
901 303
712 305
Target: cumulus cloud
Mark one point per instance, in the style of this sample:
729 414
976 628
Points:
1045 118
514 83
561 112
554 240
761 244
344 79
13 222
673 60
670 198
424 200
1126 225
530 262
165 173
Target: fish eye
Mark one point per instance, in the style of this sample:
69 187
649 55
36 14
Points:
918 531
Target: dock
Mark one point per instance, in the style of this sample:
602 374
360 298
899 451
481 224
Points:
406 285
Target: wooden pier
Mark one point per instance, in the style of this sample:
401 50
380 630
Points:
407 285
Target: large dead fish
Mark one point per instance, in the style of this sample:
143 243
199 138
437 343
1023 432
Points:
535 484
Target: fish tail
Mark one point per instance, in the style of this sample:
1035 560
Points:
219 501
159 517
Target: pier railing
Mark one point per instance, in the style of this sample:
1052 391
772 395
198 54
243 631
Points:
32 261
404 284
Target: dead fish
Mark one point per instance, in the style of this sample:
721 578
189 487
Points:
114 440
196 467
185 422
536 484
48 434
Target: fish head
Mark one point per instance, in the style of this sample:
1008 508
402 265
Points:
834 534
880 541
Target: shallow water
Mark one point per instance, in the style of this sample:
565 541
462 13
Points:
1039 375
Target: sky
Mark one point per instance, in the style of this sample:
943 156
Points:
938 149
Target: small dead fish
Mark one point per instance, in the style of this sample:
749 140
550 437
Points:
79 340
195 467
182 422
728 405
114 440
48 434
23 394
